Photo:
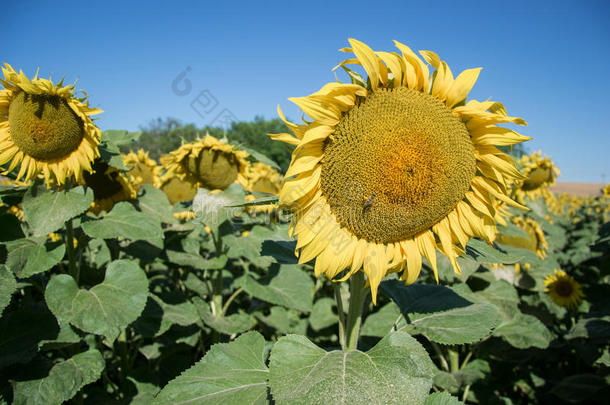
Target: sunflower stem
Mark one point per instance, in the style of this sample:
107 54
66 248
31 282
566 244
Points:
74 270
357 294
454 359
337 289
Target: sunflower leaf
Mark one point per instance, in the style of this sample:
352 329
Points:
396 371
229 373
260 157
124 221
525 331
27 257
106 308
442 398
65 379
8 285
47 210
483 253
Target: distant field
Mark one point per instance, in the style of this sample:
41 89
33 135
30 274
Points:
580 189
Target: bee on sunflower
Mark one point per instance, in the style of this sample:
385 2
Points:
395 167
45 129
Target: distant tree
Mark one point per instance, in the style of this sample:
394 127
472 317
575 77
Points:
161 136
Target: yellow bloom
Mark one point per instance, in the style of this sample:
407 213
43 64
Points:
185 215
45 128
144 170
209 163
177 190
563 289
390 171
606 191
535 241
540 174
263 179
109 186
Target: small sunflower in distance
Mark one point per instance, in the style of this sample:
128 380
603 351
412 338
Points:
540 174
144 170
109 186
535 240
263 178
606 191
45 128
209 163
395 166
563 289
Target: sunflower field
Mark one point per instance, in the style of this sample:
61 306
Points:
404 256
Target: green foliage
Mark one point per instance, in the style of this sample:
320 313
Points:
396 371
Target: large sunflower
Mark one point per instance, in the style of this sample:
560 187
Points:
109 186
540 174
391 170
209 163
563 289
45 128
144 170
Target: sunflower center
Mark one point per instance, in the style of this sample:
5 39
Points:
44 126
396 164
563 288
103 185
214 169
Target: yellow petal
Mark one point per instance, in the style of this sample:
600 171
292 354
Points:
368 59
461 86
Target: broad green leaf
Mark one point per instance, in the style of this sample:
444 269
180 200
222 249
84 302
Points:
499 293
185 259
249 247
120 137
154 202
65 337
380 323
19 339
442 398
483 253
8 285
579 387
261 157
105 309
27 257
396 371
322 314
525 331
283 320
285 285
457 326
590 328
474 371
229 325
281 250
124 221
47 210
65 379
158 316
440 313
229 373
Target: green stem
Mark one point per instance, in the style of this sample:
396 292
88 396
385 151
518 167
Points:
466 392
454 360
230 299
337 289
441 356
74 270
217 294
357 294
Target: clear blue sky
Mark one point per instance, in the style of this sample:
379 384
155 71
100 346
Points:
548 62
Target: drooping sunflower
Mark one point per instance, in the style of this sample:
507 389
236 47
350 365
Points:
209 163
563 289
109 186
263 178
606 191
540 174
177 190
395 167
45 128
535 240
144 170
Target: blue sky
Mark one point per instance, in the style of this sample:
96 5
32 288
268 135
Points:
548 62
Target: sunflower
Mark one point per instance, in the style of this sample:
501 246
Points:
391 170
540 174
209 163
535 240
606 191
45 128
144 170
563 289
177 190
109 186
263 178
